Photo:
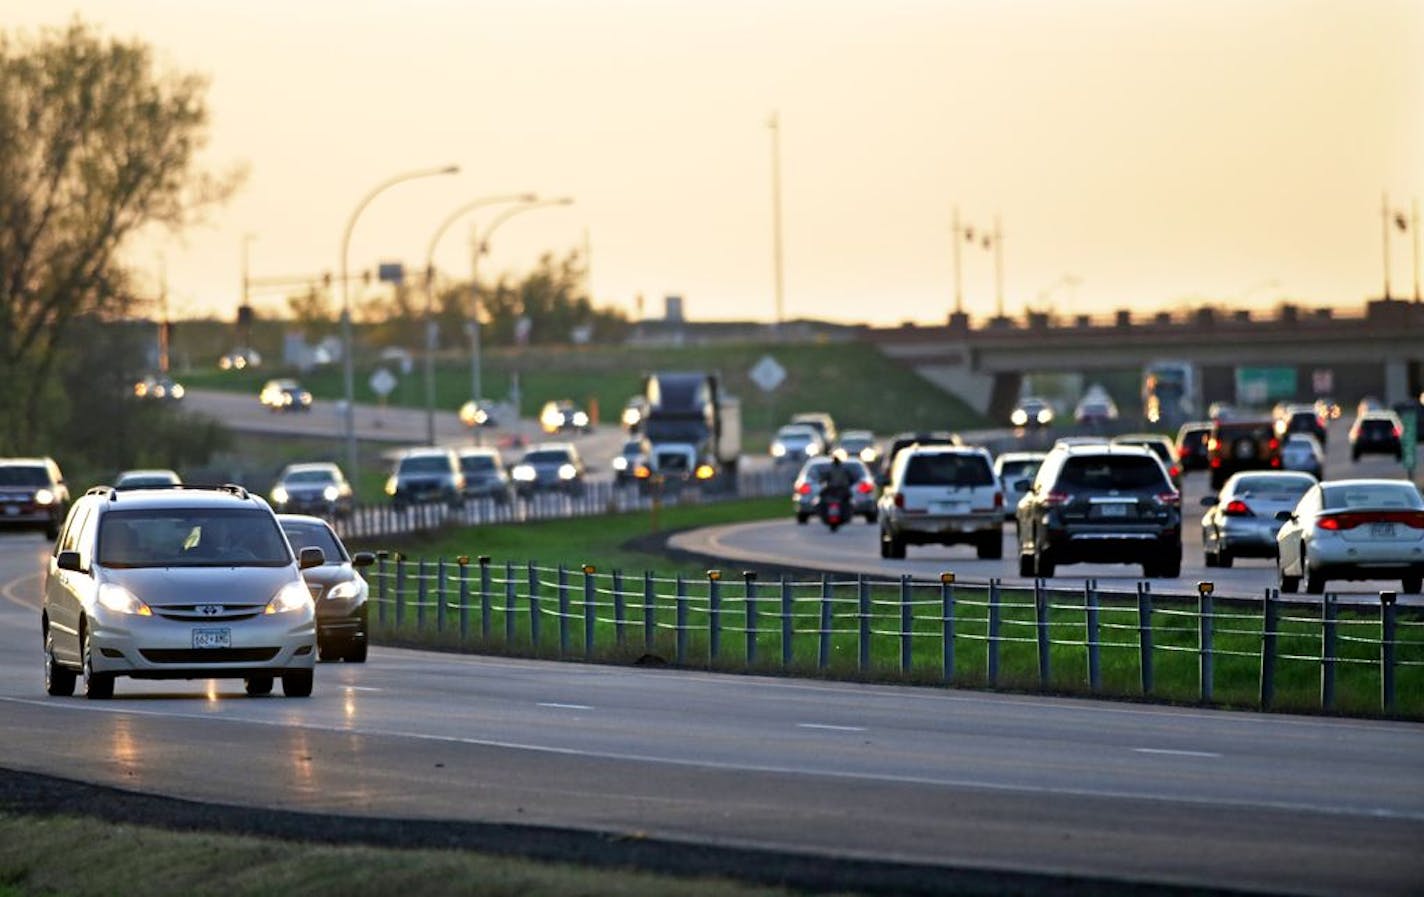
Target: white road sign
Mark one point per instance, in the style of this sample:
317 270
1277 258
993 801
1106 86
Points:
767 374
382 382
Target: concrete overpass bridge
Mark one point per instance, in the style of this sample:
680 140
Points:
1376 350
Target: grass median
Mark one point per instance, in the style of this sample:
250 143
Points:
531 601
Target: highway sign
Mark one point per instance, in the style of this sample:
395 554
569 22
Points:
382 382
767 374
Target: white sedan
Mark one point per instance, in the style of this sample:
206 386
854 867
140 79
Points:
1353 529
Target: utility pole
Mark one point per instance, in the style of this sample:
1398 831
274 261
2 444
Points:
1414 228
999 266
775 125
164 328
958 235
1384 239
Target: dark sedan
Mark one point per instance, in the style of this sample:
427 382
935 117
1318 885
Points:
339 591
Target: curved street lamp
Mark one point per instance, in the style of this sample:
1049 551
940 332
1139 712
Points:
481 247
430 296
349 362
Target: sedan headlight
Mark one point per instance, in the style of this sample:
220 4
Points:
331 493
390 485
1045 415
868 455
1019 417
292 596
524 473
567 471
620 463
777 450
580 419
177 391
121 601
345 590
44 497
279 495
812 449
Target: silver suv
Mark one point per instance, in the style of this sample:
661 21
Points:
427 476
945 495
178 583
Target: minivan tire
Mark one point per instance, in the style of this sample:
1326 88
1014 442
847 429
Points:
297 683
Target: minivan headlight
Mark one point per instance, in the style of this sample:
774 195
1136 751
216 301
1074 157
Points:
292 596
121 601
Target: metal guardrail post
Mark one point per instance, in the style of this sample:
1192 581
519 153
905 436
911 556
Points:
1095 665
485 615
750 594
1144 635
1329 614
1206 630
1268 650
464 562
992 642
421 595
907 625
1387 633
946 626
509 599
590 608
862 594
650 611
400 591
714 614
440 603
788 630
681 620
534 618
382 587
823 645
1040 625
563 589
620 611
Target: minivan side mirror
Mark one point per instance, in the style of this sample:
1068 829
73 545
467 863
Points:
69 560
311 557
363 559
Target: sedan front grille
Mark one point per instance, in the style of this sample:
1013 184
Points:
208 655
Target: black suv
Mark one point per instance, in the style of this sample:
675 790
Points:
1101 504
1301 419
1237 445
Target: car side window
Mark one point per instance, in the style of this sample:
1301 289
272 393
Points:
65 542
84 538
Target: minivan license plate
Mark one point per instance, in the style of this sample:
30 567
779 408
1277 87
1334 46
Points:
212 638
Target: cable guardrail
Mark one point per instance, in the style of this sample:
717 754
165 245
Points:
1086 640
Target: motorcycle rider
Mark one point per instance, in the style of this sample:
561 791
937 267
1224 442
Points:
836 484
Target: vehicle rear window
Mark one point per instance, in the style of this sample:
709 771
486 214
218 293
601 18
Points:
1111 472
313 535
1159 449
823 470
947 470
1371 495
191 537
23 475
1375 426
426 464
1019 470
1273 487
1228 432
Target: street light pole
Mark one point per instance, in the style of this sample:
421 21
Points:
430 298
481 246
775 125
346 346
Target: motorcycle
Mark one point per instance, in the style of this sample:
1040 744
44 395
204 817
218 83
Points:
834 510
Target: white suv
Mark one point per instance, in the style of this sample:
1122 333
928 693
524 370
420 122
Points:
177 583
942 495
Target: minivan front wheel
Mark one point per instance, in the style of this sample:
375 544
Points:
297 683
97 686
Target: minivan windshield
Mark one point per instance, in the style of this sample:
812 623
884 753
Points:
191 537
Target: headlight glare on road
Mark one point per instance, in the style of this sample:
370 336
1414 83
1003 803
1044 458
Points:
279 495
121 601
524 473
44 497
292 596
567 472
331 493
345 590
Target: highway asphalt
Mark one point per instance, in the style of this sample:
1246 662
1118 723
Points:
936 778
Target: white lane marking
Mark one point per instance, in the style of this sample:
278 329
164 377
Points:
835 774
361 688
1173 753
564 706
11 595
830 728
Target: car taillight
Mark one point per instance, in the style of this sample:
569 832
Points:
1182 453
1275 460
1237 508
1352 519
1330 523
1172 499
899 499
1174 471
803 489
1215 462
1273 444
1398 432
864 487
998 499
1054 499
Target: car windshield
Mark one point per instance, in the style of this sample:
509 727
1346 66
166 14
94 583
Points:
145 479
855 443
314 535
1371 495
1112 472
310 476
1018 470
1273 488
425 464
927 469
23 475
191 537
477 463
548 456
793 434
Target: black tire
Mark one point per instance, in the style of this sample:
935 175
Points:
1217 481
1212 559
1163 569
97 686
258 686
52 530
991 548
325 653
802 518
1026 566
1224 559
1043 565
1314 581
356 653
58 679
1289 584
871 518
297 683
1413 585
891 546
